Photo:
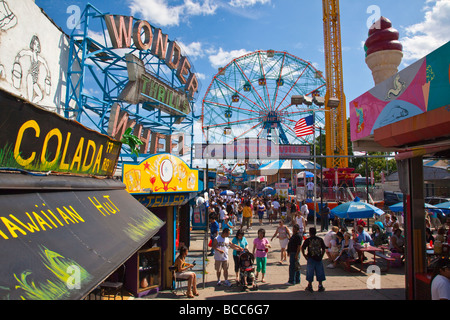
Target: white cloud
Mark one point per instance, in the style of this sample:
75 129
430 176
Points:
161 13
194 8
247 3
201 76
222 58
426 36
193 50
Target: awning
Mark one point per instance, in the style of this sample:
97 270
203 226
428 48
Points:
61 236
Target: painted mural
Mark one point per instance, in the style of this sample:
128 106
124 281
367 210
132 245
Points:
421 87
33 62
160 173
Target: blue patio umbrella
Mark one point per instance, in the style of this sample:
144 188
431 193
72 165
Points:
399 207
305 174
227 193
356 210
443 206
268 190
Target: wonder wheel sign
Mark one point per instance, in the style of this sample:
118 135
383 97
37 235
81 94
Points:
122 73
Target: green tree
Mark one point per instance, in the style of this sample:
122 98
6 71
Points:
359 163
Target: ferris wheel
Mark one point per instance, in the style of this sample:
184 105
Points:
251 97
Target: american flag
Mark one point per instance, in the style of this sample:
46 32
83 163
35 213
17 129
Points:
304 126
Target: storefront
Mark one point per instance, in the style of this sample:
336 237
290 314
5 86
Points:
165 184
409 113
65 225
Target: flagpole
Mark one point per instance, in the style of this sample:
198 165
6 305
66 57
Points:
315 172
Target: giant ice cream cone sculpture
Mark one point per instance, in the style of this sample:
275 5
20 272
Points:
383 50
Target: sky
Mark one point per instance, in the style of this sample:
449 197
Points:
214 32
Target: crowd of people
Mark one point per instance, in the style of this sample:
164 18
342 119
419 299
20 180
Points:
232 216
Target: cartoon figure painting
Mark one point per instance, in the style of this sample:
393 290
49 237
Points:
33 85
159 174
7 18
398 87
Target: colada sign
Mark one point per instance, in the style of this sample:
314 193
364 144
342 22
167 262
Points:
160 173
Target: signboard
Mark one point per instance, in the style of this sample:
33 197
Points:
251 148
35 139
160 173
222 181
282 189
163 200
60 245
420 88
122 31
143 86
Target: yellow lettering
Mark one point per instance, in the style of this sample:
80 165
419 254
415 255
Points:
41 221
98 160
64 216
51 221
62 165
12 227
107 197
90 144
98 206
50 211
3 235
30 227
29 124
74 214
50 134
78 155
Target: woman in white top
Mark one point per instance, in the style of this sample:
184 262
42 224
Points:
301 221
335 246
283 235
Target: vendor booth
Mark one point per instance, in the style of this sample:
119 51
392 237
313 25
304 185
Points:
165 184
409 113
66 225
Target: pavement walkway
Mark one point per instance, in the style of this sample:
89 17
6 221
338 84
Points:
339 284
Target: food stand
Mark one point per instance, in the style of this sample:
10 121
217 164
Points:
409 113
66 224
165 184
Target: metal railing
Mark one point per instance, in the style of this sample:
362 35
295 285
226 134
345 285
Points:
342 194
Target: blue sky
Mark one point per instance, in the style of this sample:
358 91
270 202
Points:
214 32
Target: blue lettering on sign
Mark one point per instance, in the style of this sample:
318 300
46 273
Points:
162 200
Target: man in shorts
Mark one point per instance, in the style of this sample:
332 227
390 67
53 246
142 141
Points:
316 249
221 244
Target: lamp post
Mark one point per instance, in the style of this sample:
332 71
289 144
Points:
320 102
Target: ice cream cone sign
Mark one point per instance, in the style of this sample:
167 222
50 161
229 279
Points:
383 50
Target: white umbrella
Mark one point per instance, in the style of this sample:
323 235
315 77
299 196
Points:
272 167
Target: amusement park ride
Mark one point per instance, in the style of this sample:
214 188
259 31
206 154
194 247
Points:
137 78
149 85
335 118
253 96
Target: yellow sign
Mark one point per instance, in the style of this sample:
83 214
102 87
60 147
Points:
160 173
